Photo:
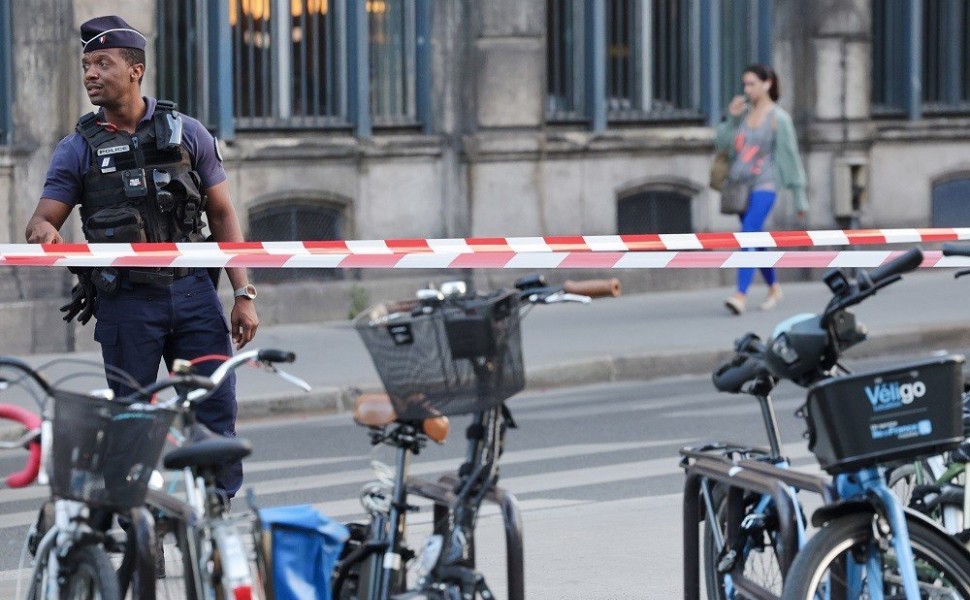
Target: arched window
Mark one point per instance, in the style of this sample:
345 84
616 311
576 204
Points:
292 221
654 211
951 202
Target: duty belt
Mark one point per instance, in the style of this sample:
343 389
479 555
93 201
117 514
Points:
157 276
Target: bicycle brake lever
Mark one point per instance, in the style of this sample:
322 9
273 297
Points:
293 379
960 274
565 297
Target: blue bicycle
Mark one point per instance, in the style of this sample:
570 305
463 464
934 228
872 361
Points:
868 545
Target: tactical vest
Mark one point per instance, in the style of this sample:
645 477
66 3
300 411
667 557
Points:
140 187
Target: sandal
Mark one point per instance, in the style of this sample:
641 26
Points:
774 297
734 304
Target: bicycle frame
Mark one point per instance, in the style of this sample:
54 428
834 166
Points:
870 485
792 527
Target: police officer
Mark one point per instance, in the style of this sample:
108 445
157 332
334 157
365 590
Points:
142 172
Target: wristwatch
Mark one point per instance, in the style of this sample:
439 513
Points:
248 291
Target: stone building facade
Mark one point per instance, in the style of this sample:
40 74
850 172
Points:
498 118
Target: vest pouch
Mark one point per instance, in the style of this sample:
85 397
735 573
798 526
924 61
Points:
122 225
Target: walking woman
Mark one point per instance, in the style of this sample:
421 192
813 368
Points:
763 150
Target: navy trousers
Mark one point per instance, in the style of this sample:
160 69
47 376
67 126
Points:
143 324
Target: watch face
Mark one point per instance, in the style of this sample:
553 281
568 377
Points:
246 292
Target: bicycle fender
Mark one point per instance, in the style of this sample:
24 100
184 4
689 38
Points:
831 512
839 510
915 515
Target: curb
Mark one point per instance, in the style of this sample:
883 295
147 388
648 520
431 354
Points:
608 369
603 369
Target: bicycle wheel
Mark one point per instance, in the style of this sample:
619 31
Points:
819 570
137 570
760 562
90 576
179 545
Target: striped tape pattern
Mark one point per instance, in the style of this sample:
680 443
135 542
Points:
299 256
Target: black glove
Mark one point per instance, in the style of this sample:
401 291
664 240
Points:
82 297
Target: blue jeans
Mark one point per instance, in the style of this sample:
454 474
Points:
142 324
760 203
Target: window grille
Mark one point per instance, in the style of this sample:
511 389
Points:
944 53
295 220
565 60
654 211
6 72
739 45
178 45
290 62
393 61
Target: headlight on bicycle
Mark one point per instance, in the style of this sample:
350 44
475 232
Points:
375 497
430 553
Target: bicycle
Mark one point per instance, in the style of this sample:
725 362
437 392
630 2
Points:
749 539
216 549
862 518
935 486
448 352
97 455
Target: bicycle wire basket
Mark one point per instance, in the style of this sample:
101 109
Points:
900 413
103 451
461 356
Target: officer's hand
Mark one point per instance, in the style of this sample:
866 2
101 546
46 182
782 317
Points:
82 300
244 321
44 233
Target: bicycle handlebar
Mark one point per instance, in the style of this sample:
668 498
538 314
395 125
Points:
905 263
594 288
16 363
193 381
31 421
731 376
880 277
951 249
271 355
746 365
266 356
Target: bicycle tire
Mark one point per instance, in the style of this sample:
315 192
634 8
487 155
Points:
901 480
137 569
937 556
91 576
761 568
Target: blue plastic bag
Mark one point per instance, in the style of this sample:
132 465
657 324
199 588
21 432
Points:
306 544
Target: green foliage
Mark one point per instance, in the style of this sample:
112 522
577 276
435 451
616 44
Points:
359 300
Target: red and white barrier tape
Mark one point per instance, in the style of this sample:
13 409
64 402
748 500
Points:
297 255
503 245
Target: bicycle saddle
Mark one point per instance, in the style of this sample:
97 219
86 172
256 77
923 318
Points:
207 449
376 410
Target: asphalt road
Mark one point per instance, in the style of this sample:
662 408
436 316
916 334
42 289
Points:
594 468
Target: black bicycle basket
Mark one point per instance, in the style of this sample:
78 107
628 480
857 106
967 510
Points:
899 413
462 356
103 451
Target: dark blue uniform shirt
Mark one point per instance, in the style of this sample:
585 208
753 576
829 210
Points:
72 158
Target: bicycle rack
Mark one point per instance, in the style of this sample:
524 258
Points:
742 476
442 494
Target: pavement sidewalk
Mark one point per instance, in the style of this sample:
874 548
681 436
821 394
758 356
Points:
640 336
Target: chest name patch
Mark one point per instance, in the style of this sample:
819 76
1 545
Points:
113 150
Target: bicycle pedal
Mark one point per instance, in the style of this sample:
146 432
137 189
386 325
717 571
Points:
727 562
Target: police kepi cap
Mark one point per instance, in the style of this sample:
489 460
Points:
110 32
